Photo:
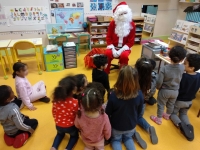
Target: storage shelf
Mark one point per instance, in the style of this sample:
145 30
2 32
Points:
149 23
99 26
195 49
139 24
176 41
190 2
179 31
98 33
138 33
97 45
98 37
194 41
147 31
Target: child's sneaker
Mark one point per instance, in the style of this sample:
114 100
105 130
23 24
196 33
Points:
8 140
153 136
139 140
45 99
20 140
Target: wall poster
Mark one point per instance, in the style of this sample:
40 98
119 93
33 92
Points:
27 15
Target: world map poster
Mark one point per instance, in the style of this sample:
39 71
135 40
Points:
72 17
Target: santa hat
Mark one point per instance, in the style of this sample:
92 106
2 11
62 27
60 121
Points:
122 4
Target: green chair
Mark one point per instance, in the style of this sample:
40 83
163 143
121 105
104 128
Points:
59 40
83 40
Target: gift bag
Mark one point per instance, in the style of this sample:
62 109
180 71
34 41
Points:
89 57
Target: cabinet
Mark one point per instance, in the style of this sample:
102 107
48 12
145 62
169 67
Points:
69 52
98 32
193 40
54 60
139 23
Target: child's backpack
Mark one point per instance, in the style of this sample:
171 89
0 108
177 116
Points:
89 57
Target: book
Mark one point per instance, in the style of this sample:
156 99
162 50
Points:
184 39
52 48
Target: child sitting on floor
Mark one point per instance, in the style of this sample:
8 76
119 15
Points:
17 127
81 83
190 84
25 91
124 107
98 74
168 84
149 96
92 122
144 68
64 112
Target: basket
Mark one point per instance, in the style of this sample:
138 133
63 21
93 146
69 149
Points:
100 18
92 18
107 18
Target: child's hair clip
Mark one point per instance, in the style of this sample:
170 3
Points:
146 62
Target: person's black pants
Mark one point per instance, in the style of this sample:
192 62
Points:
33 123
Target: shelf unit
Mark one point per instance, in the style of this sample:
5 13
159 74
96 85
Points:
149 23
193 40
139 23
196 2
180 32
98 31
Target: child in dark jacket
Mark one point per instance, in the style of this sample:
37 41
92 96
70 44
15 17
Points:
189 86
17 127
98 74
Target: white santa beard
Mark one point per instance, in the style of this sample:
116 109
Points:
122 29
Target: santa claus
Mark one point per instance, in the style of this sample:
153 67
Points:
121 35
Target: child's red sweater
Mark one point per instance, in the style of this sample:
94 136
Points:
64 112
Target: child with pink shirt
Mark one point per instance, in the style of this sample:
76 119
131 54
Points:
25 91
92 122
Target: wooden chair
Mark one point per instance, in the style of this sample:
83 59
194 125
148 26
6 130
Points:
59 40
25 45
2 64
198 113
83 40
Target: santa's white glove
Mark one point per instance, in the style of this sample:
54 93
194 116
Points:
125 47
115 55
111 46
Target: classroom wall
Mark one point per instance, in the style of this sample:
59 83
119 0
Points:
181 7
166 15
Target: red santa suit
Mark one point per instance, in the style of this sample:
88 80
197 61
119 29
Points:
122 44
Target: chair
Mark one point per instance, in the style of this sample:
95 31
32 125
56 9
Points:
25 45
83 40
59 40
114 66
198 113
2 64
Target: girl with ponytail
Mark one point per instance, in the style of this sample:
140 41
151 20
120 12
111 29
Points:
25 91
64 112
92 121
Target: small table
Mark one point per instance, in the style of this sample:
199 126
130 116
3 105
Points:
162 58
3 46
36 41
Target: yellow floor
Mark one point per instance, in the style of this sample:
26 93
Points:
169 136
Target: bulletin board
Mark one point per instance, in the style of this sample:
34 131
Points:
90 7
7 23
